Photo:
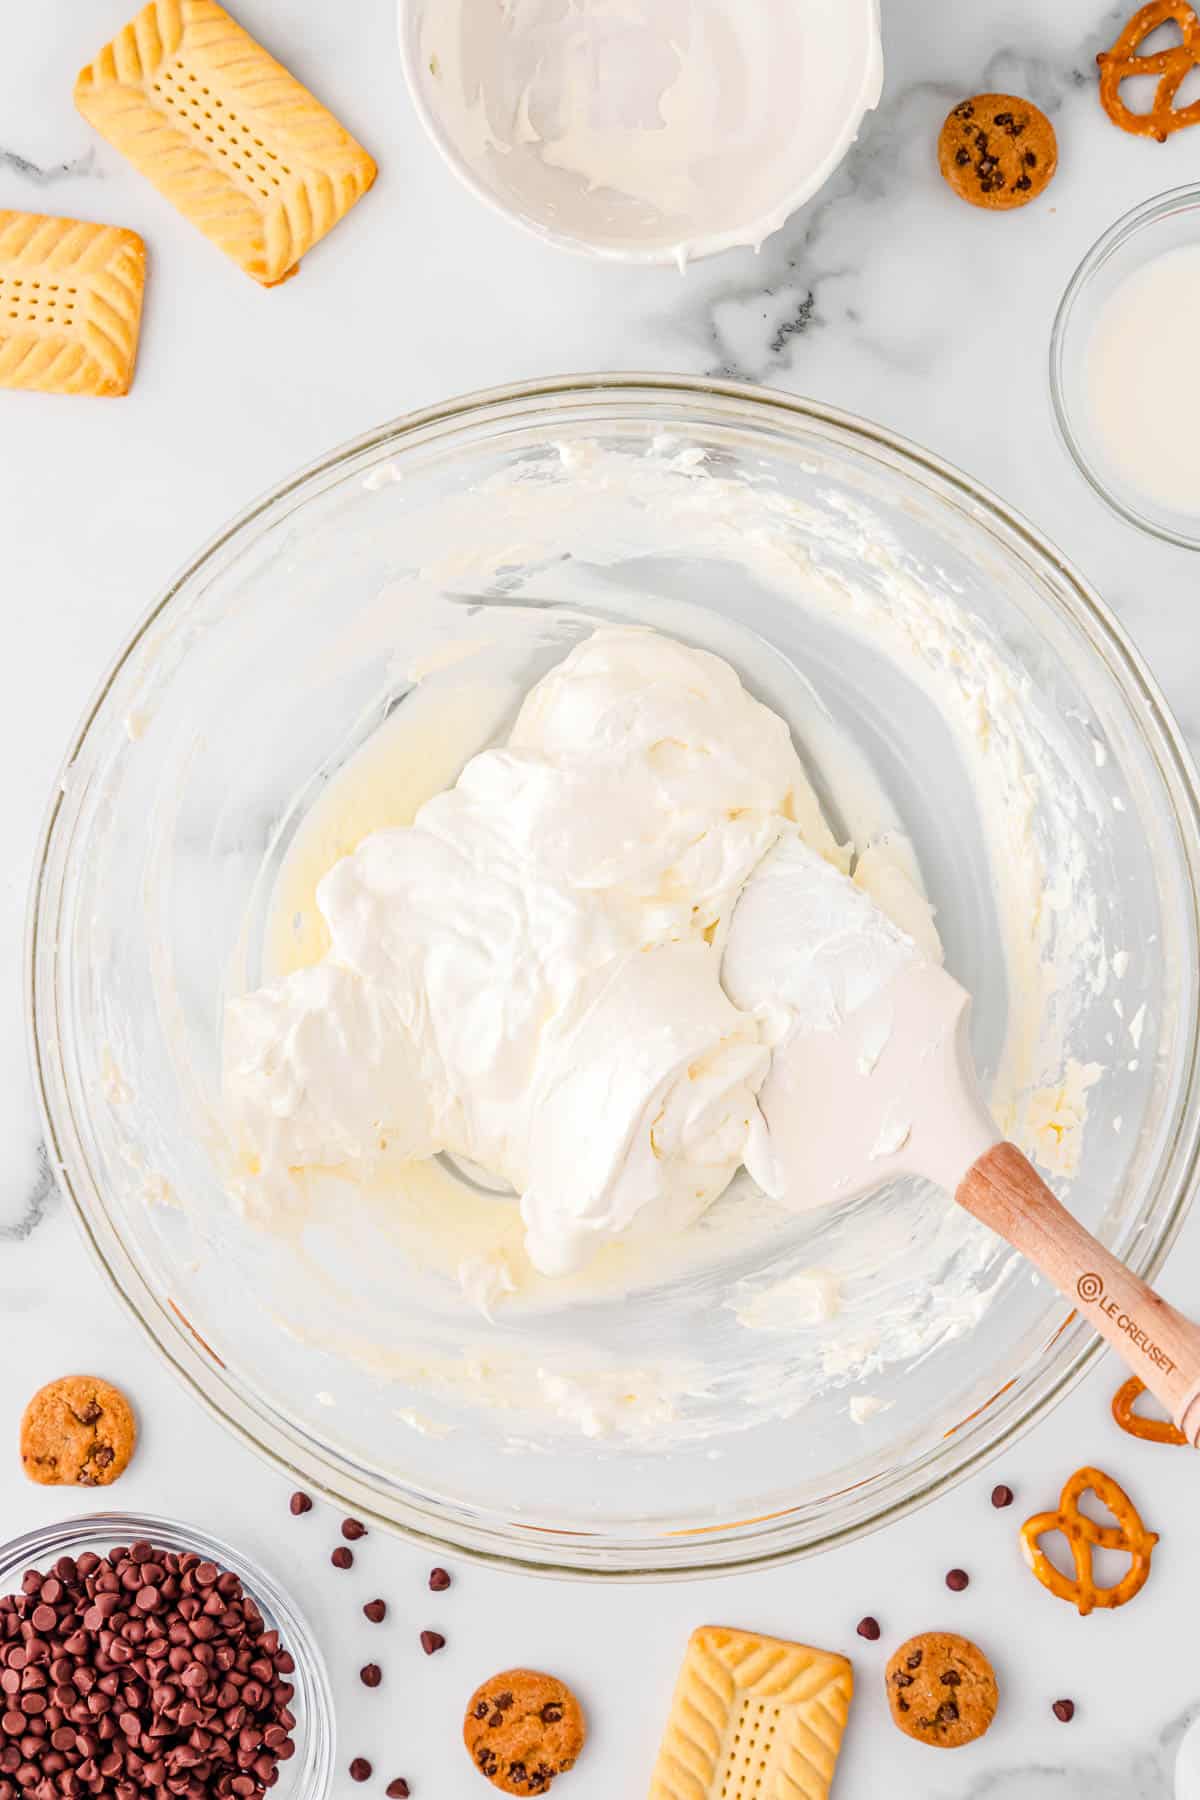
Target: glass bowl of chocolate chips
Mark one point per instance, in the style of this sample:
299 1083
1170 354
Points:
139 1657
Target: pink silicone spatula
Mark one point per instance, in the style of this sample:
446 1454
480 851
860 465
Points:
890 1088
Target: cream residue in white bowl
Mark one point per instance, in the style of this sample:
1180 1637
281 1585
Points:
647 130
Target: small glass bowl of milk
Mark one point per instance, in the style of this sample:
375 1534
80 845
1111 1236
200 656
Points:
1125 366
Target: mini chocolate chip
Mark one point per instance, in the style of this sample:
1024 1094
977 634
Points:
398 1789
431 1641
962 156
902 1680
376 1611
370 1675
951 1678
965 110
439 1580
1002 1496
517 1771
957 1580
947 1712
915 1660
902 1705
1064 1710
342 1558
300 1503
868 1628
1002 118
353 1529
481 1709
1022 183
360 1769
496 1720
551 1713
1030 159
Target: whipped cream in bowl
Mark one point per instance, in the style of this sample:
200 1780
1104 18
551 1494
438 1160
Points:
407 987
650 131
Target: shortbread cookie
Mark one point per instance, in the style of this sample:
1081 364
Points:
224 131
753 1715
70 304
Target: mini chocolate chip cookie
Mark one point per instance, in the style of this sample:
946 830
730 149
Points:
941 1689
77 1432
997 151
522 1729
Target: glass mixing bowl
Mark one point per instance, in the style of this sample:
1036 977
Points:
287 643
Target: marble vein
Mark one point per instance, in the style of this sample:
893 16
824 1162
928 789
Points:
34 1204
1146 1774
33 172
823 270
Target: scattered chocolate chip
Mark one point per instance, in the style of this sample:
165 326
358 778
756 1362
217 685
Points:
398 1789
1064 1710
965 111
551 1712
957 1580
360 1769
1022 183
353 1529
868 1628
951 1678
431 1641
915 1660
902 1680
1030 159
376 1611
370 1675
342 1558
1002 1496
439 1580
947 1712
962 156
300 1503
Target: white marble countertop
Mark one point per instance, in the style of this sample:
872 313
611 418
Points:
885 296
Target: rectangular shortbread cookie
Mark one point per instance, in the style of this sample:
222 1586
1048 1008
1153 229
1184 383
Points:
753 1718
70 304
225 133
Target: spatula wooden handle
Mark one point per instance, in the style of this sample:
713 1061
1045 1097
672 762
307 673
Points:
1157 1343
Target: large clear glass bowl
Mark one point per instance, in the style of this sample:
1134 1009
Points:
276 652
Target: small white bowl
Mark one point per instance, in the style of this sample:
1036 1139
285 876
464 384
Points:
1160 225
643 131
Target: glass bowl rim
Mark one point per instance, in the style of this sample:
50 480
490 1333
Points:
1070 1350
87 1531
1142 217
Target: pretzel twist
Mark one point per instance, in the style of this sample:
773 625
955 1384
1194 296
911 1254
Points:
1171 66
1156 1431
1084 1537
